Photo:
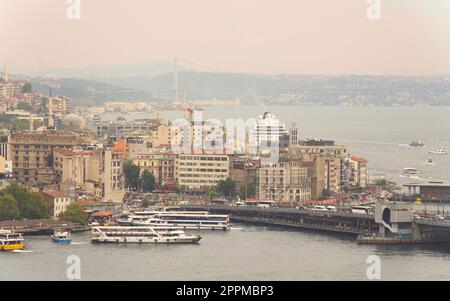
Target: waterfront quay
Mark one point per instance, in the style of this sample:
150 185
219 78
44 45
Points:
41 226
337 222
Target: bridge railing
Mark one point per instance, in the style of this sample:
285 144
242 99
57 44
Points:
281 210
431 222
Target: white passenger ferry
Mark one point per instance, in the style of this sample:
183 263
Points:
120 234
196 220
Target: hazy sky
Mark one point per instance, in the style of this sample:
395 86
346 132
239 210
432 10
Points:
267 36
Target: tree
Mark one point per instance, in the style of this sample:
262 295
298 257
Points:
31 204
131 172
212 192
148 181
247 190
74 213
27 88
25 106
8 208
227 188
326 192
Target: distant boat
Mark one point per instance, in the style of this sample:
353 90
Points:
429 161
410 172
439 151
416 143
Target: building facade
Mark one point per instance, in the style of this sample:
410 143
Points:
284 181
31 154
199 172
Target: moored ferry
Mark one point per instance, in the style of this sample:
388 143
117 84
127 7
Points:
10 241
194 220
121 234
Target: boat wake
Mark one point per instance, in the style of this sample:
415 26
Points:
78 242
22 251
236 228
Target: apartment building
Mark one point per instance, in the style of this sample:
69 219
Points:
198 172
57 202
31 153
329 161
98 173
161 165
284 181
358 173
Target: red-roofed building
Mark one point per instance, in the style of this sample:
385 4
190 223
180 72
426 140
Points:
358 173
57 202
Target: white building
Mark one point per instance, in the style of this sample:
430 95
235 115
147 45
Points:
57 202
269 131
198 172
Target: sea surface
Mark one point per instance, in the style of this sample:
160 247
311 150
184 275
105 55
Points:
243 253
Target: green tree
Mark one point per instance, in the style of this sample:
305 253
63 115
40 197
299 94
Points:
326 192
74 213
31 204
27 88
227 188
148 181
25 106
131 172
8 208
212 192
247 190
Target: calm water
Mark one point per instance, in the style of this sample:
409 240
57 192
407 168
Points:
243 253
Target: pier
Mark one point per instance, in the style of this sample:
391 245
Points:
41 226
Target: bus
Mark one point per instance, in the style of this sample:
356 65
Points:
362 209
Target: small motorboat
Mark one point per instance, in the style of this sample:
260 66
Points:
416 143
61 237
438 151
429 161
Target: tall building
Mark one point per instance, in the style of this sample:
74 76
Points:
31 154
329 162
284 181
357 171
160 165
269 130
199 172
5 146
97 173
293 134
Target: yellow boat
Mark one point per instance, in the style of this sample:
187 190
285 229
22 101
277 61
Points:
10 241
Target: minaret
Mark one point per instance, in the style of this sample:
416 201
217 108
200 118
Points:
5 74
50 124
